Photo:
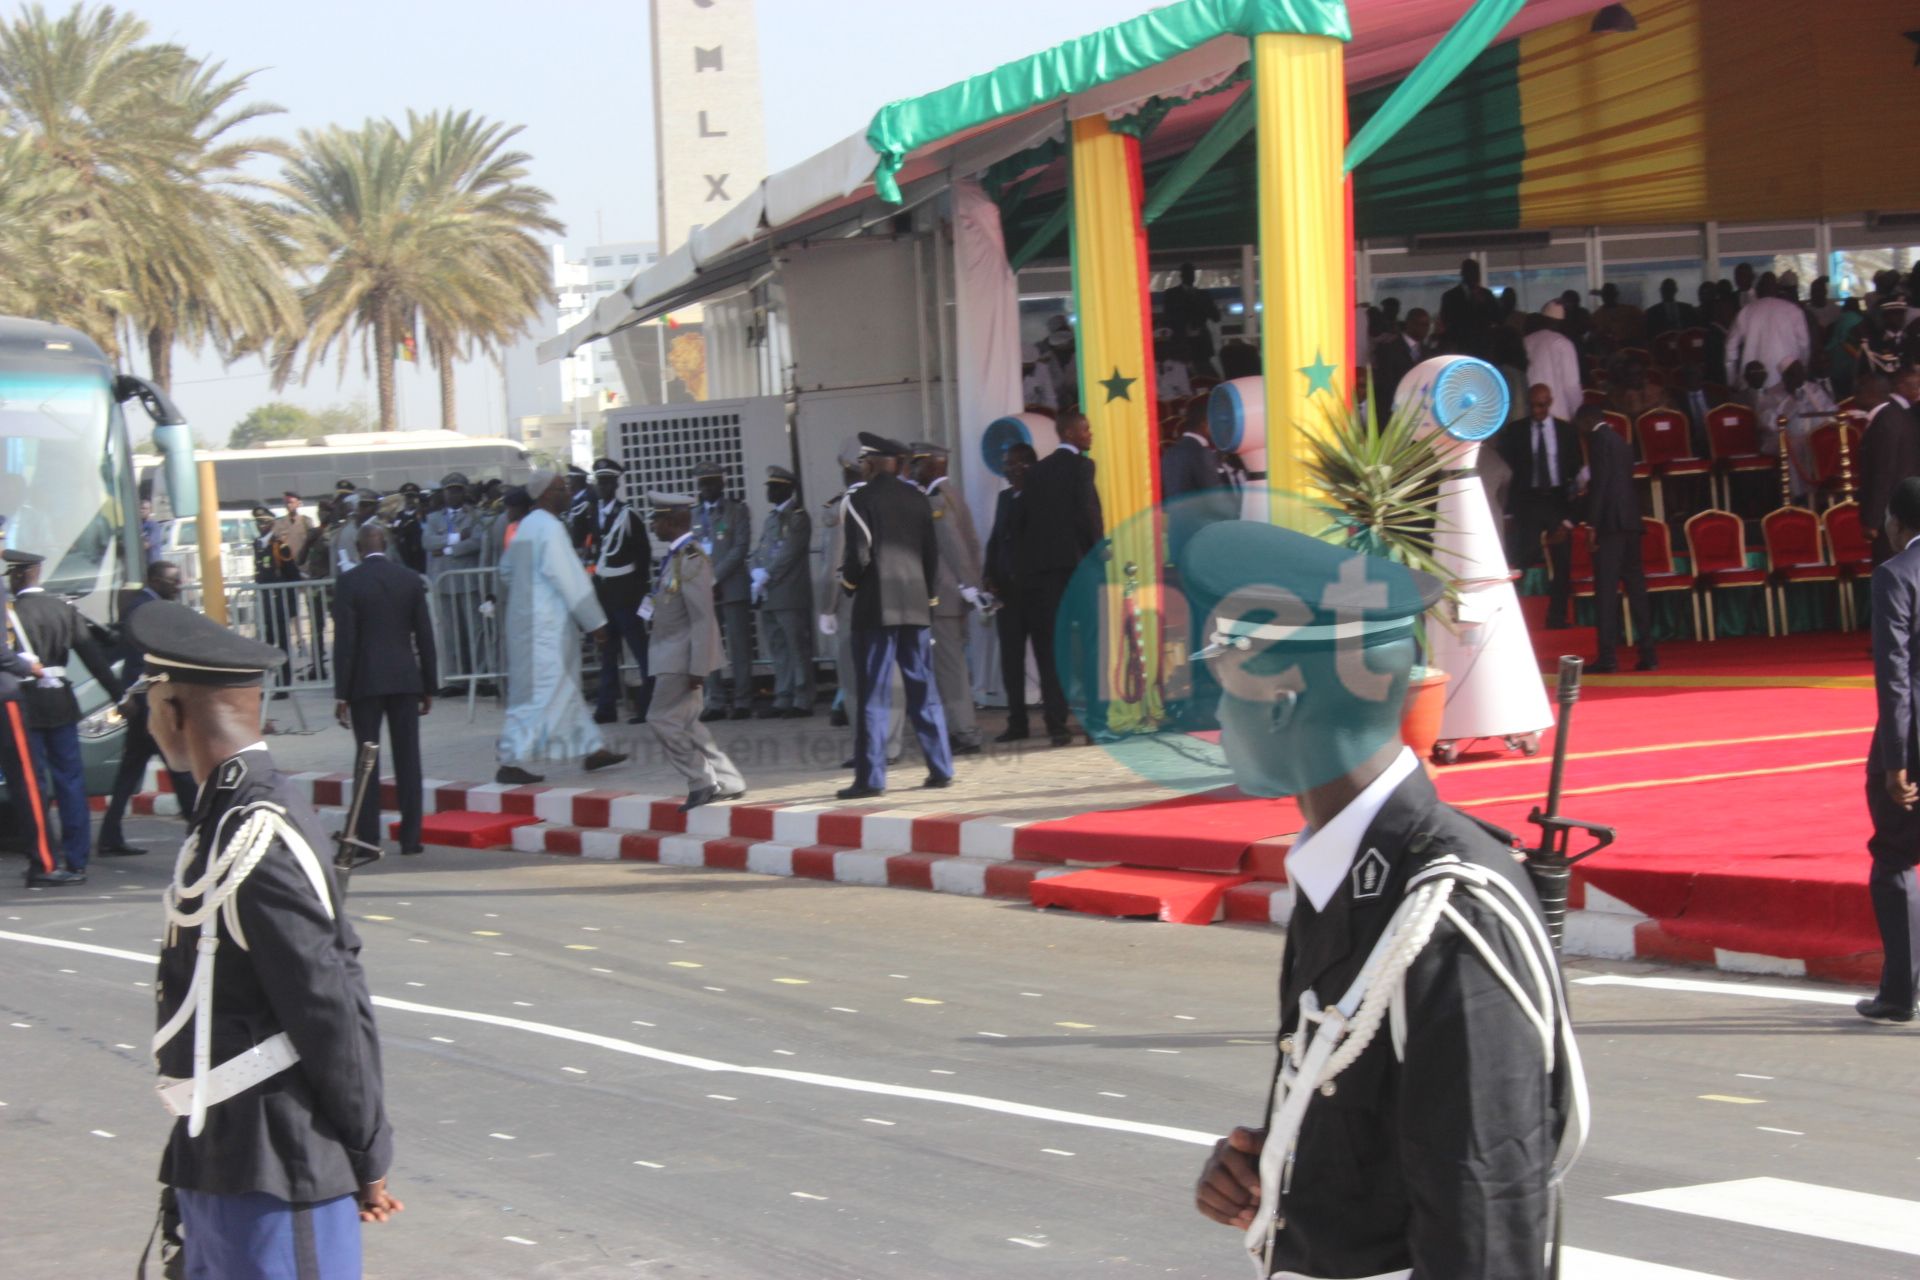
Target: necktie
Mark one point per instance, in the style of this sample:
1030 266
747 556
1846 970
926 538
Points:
1542 470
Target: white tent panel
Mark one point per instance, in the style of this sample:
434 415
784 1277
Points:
738 226
833 174
851 311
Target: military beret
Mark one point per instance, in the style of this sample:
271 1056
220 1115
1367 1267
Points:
20 559
781 473
669 501
707 469
452 478
1273 587
928 449
871 443
192 648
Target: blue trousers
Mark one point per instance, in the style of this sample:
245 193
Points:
260 1237
58 751
874 653
623 625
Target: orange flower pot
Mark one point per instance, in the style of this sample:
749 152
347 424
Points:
1426 704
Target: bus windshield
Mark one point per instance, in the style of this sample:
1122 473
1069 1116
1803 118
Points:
66 482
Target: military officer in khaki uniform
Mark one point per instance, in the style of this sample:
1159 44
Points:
960 575
784 595
685 648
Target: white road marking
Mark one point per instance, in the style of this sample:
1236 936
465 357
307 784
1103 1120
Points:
1748 1075
523 1004
785 1053
648 1164
891 975
721 990
1031 1244
723 1097
1054 1151
977 1102
100 1133
603 971
805 1195
1105 1094
842 1009
123 1046
874 1120
1584 1264
24 1026
638 1023
516 1240
1826 1213
416 984
1163 1051
1696 986
508 954
573 1071
504 1137
1791 1133
1033 995
993 1035
938 1072
69 971
440 1040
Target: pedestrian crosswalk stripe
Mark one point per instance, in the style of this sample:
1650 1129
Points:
1584 1264
1828 1213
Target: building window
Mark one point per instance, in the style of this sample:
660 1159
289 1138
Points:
653 257
629 259
603 262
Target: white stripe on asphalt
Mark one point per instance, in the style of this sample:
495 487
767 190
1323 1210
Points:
696 1063
1827 1213
1695 986
1584 1264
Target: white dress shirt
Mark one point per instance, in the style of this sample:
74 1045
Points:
1552 360
1772 331
1320 859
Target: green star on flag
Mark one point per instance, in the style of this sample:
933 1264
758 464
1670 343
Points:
1117 386
1319 374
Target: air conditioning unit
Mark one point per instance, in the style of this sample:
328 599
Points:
1472 241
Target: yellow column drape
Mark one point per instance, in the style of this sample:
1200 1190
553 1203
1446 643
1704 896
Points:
1118 394
1304 252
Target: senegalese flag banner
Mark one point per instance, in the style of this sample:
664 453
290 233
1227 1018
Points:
1712 109
1117 391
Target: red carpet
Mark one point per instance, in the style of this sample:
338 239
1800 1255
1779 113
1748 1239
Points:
1733 776
465 830
1179 897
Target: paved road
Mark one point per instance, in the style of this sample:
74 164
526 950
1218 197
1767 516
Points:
605 1069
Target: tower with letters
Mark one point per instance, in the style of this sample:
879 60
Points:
707 117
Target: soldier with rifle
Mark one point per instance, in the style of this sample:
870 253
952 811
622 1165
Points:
267 1049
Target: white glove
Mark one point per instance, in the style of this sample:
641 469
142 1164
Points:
646 609
453 538
829 625
759 581
971 595
486 608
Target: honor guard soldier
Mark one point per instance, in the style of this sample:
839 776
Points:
724 529
1426 1067
579 516
267 1050
784 592
409 529
960 577
891 569
836 617
685 648
55 633
622 558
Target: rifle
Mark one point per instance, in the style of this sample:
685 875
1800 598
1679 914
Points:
353 851
1550 866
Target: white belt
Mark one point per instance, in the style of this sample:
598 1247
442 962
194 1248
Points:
236 1075
614 571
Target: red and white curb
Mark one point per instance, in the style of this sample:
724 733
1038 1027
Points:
977 856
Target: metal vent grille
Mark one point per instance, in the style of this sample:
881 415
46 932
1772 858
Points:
661 449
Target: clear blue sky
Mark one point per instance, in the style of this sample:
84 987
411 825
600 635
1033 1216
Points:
576 73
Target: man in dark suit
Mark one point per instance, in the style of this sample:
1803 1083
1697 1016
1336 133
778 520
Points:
1010 621
1669 313
622 562
383 669
1059 522
1468 313
1193 488
163 583
892 570
1893 762
1543 452
1613 512
1396 354
1889 449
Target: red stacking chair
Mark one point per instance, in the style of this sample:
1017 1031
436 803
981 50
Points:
1595 396
1580 570
1667 447
1733 438
1667 349
1656 560
1717 545
1795 554
1824 445
1693 345
1849 549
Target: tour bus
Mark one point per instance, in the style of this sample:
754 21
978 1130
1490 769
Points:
377 460
68 491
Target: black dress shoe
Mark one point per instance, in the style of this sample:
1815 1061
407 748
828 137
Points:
638 717
62 876
508 775
118 850
697 797
605 717
408 853
1060 739
838 717
1011 735
964 748
604 759
741 713
1602 668
1647 664
858 792
938 782
1878 1010
713 713
797 713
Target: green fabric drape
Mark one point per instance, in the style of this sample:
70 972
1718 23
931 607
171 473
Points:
1457 49
1233 125
1079 65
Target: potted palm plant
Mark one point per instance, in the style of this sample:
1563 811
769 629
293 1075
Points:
1379 486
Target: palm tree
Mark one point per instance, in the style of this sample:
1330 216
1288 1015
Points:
496 275
49 252
140 130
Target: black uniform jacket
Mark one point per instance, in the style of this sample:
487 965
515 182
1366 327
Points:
319 1129
1611 506
1438 1163
622 558
1058 518
892 564
382 632
57 634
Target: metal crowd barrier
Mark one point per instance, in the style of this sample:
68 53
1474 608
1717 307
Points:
296 618
465 607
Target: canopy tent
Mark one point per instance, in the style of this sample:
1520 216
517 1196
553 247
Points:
1153 68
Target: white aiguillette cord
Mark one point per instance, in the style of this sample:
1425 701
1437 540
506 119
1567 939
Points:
217 889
